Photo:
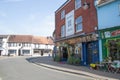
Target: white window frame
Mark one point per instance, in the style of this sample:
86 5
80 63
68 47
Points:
80 23
78 4
63 31
62 14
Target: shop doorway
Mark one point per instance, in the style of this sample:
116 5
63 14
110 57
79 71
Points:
19 52
92 52
65 54
0 52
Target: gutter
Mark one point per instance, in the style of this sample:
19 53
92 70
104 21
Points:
62 6
99 5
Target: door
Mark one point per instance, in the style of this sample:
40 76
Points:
65 53
0 52
92 52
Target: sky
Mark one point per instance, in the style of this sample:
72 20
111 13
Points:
28 17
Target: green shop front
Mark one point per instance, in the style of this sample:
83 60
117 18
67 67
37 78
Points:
110 42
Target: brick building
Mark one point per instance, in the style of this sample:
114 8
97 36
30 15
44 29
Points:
76 31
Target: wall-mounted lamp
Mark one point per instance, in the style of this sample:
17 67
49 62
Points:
96 28
86 5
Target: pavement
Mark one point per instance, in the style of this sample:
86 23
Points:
47 61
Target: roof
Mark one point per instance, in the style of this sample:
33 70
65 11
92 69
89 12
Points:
3 36
42 40
103 2
20 38
30 39
62 6
50 40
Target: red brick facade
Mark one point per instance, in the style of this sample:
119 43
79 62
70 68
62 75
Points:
89 17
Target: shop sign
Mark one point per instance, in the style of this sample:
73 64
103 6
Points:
69 22
115 33
88 38
107 34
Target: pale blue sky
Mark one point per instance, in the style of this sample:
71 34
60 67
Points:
31 17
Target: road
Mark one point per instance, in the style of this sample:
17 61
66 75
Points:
19 69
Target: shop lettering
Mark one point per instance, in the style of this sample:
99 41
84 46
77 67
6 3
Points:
115 33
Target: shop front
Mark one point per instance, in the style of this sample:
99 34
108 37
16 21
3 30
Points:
110 39
84 48
90 49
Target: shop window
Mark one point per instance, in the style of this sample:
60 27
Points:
78 50
79 24
63 14
114 51
77 4
26 51
12 51
63 31
36 51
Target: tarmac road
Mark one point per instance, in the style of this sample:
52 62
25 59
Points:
20 69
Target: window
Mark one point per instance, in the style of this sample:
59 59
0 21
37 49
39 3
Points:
63 14
79 24
69 23
119 9
77 4
37 46
9 45
1 40
26 51
0 44
29 45
12 51
63 31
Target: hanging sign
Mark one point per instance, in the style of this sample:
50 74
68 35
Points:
115 33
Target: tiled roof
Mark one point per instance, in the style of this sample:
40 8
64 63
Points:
30 39
50 40
20 38
40 40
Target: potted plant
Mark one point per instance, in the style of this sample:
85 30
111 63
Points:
76 61
118 49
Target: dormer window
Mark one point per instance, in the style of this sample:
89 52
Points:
77 4
63 14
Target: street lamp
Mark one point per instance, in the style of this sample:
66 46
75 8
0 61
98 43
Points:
86 5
